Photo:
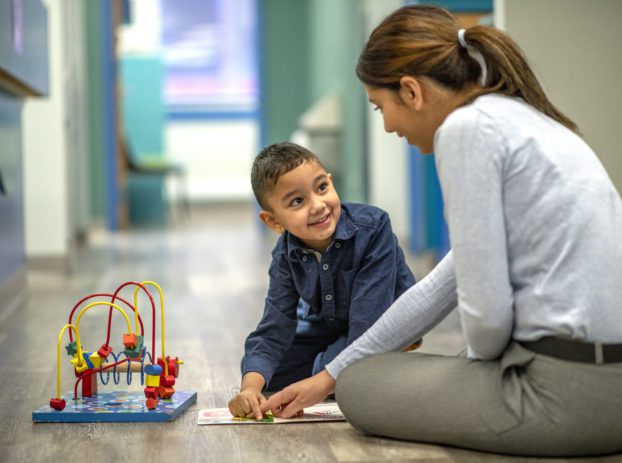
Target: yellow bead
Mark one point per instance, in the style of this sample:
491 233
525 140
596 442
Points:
152 381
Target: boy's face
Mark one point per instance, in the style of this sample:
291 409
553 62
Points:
305 203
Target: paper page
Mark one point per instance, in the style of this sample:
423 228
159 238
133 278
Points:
316 413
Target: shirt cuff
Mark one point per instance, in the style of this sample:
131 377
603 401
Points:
260 365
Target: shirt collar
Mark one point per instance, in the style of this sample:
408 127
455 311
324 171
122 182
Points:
344 231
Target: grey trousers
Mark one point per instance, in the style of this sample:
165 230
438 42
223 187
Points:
521 404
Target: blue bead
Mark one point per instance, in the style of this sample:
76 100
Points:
155 370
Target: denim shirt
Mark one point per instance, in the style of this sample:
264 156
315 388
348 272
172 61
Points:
346 290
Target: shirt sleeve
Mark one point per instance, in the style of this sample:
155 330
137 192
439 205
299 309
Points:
411 316
265 347
470 160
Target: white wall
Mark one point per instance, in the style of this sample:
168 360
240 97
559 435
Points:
574 48
45 161
388 162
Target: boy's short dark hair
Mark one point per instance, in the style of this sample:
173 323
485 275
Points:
274 161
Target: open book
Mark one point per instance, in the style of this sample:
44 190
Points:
316 413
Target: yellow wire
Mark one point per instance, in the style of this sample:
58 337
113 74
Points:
136 308
78 343
110 304
145 283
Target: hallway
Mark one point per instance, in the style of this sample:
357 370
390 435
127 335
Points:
213 270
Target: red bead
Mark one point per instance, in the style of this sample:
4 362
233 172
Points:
152 403
104 351
57 404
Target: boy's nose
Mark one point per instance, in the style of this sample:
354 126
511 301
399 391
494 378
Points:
317 204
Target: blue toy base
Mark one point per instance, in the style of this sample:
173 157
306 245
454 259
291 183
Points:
115 406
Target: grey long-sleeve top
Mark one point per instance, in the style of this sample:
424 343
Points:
536 231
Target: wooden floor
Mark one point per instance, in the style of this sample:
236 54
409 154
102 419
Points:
212 268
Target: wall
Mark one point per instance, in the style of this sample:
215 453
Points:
388 154
574 48
54 146
93 36
11 200
285 68
23 75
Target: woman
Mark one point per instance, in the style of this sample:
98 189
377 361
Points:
535 268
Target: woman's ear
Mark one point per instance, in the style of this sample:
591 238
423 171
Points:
411 92
270 220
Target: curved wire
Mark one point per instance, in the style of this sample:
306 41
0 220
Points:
161 293
60 337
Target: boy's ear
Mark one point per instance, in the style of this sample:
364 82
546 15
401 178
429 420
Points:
271 222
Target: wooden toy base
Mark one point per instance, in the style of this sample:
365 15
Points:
115 406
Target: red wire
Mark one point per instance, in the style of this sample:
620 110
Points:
153 311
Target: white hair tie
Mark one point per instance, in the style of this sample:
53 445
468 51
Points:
476 55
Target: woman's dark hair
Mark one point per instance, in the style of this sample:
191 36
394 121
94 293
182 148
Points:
421 40
274 161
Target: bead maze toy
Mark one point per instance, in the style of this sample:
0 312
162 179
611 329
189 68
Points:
160 401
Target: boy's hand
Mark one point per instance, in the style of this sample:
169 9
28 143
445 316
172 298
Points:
247 403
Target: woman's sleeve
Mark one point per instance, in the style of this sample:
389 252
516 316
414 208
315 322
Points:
412 315
470 158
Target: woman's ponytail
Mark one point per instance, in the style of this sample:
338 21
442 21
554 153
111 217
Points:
509 73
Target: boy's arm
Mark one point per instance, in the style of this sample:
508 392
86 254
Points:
374 286
276 330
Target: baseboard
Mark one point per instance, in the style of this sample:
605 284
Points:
57 263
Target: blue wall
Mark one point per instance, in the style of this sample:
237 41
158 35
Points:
12 200
24 66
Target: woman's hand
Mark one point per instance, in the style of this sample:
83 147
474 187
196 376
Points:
291 401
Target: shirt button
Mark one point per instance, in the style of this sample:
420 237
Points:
328 297
304 258
325 266
337 245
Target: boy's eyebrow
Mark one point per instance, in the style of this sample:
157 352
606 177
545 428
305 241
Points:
294 192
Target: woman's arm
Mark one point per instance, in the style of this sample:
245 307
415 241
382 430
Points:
470 159
415 313
411 316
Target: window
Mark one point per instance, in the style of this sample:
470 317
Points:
210 56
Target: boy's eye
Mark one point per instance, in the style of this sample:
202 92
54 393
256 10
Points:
295 202
323 186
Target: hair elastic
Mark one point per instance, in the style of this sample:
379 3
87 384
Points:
476 55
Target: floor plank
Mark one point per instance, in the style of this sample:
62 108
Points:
212 268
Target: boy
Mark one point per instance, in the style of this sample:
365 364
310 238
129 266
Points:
335 269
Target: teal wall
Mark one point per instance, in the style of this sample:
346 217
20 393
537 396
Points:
309 48
336 38
94 37
284 66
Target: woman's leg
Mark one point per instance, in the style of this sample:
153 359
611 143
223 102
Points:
523 404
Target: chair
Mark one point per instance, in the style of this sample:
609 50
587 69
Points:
159 167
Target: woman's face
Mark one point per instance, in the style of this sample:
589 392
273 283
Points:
407 113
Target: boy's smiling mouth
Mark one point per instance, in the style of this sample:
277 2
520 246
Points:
321 220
